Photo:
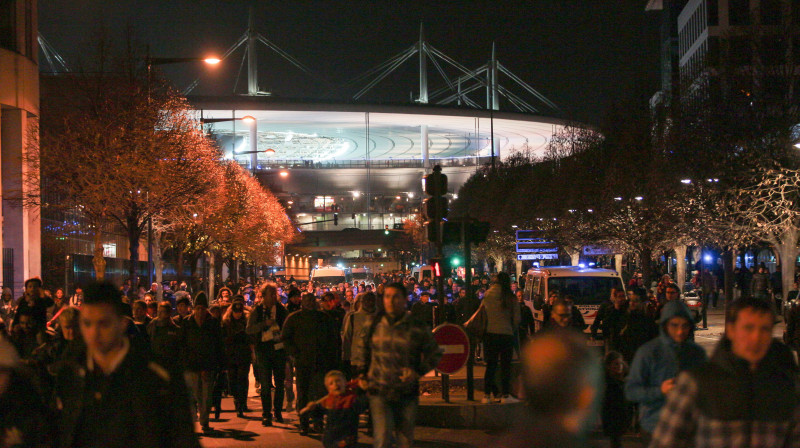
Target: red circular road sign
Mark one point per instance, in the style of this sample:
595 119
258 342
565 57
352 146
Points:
455 343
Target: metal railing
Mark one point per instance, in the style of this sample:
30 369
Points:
275 164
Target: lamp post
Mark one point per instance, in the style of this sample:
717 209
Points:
151 61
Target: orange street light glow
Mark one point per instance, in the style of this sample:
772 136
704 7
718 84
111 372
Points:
284 173
248 119
212 60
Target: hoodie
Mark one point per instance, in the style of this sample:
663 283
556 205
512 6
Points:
659 360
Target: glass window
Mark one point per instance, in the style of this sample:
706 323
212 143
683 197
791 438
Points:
585 290
712 9
8 31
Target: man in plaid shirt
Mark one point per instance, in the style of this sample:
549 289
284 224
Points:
395 350
746 396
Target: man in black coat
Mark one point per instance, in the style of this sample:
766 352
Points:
310 338
202 341
109 398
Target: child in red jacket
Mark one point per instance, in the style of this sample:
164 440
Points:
342 406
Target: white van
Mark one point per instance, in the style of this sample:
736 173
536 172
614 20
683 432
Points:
331 275
588 288
420 272
362 274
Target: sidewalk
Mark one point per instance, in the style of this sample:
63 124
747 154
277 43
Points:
230 431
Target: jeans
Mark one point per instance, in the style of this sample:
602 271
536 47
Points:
239 383
393 420
288 382
498 346
200 384
272 365
310 386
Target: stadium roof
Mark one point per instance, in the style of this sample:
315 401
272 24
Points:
325 132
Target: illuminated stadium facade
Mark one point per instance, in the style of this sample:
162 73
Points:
363 161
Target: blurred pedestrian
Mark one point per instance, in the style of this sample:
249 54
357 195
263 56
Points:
25 421
109 397
745 396
562 380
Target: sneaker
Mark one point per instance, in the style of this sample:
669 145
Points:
507 399
487 399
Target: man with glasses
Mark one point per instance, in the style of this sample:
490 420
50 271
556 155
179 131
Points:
657 363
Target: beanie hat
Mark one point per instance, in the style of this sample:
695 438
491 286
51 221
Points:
8 355
201 299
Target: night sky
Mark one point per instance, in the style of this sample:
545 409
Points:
584 55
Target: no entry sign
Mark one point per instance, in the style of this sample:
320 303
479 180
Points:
455 343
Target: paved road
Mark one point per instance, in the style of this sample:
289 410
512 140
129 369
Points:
230 431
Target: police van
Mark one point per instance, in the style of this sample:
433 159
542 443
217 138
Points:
421 272
588 288
331 275
362 274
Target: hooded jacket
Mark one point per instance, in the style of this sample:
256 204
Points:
725 403
659 360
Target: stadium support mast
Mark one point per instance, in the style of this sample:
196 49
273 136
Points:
423 70
252 61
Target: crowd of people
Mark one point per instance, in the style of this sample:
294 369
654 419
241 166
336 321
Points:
111 366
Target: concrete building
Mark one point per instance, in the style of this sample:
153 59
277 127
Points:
19 108
697 34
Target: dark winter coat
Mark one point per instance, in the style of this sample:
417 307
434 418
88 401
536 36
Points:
202 344
616 411
236 342
637 330
140 404
166 339
310 337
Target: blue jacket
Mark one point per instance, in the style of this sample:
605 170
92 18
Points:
657 361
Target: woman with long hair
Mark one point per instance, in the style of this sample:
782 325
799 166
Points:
502 318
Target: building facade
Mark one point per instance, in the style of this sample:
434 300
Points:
19 110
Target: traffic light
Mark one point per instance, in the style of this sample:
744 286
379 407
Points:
435 206
386 229
440 266
336 219
455 261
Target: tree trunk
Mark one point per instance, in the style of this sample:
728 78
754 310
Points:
98 261
158 263
574 256
680 265
212 268
179 266
728 262
647 269
788 251
134 233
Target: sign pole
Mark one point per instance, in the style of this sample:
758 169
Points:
456 345
468 284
